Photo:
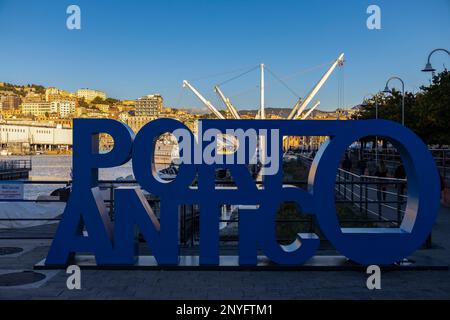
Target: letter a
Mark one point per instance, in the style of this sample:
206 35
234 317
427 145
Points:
374 20
74 20
74 280
374 280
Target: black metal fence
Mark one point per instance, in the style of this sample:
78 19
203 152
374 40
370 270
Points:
392 159
15 164
14 169
360 193
383 198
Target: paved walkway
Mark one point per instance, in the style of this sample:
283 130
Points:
231 284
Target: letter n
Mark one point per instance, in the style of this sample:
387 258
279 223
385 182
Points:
133 213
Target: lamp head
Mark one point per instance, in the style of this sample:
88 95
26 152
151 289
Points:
386 90
428 68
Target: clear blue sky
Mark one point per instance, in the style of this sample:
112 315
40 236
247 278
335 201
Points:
132 48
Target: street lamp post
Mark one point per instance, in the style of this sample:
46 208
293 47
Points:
375 99
387 90
428 66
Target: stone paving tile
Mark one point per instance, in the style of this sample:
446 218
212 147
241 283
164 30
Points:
118 285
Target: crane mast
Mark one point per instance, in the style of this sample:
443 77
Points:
294 110
227 103
310 96
208 104
262 112
306 115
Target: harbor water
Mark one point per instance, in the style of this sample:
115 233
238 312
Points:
58 168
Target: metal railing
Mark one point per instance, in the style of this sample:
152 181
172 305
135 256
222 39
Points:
392 159
350 190
384 198
10 165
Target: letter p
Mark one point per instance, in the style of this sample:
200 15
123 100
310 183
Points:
87 158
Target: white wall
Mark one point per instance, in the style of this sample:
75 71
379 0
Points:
35 135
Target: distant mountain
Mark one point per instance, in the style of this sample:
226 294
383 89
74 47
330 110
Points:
193 110
281 112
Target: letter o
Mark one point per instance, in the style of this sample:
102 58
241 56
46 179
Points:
143 160
377 245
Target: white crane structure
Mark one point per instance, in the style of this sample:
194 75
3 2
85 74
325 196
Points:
295 114
208 104
262 115
262 111
297 110
306 115
227 103
294 110
313 92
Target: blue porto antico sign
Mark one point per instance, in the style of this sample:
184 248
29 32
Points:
115 242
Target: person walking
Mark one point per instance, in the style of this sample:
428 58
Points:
362 165
382 173
400 173
443 193
346 166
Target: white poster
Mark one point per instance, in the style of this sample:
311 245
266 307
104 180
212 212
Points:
11 190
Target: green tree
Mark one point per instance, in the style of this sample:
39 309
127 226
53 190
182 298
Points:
111 101
427 113
98 100
83 104
389 107
38 88
108 101
432 111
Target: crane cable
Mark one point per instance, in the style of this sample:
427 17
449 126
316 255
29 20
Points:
341 87
338 89
304 71
238 76
284 78
283 83
180 97
213 75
